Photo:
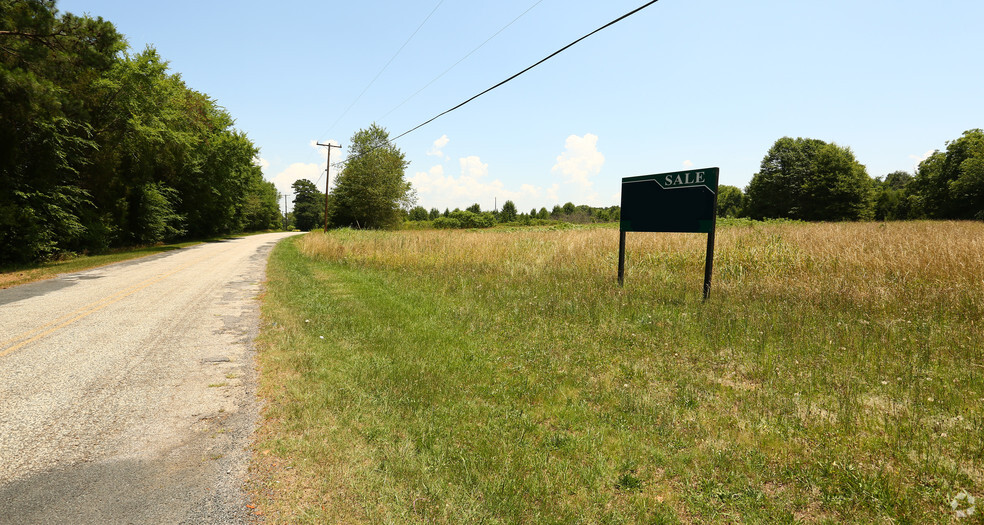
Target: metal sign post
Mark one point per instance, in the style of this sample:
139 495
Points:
679 201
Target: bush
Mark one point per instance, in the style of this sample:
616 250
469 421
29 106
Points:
446 223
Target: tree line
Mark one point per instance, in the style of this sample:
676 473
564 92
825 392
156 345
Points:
800 179
369 193
474 217
812 180
101 147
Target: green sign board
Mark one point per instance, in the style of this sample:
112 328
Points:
679 201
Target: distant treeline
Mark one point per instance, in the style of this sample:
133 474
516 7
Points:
812 180
102 148
801 179
474 217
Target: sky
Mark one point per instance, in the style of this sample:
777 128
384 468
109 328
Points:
681 84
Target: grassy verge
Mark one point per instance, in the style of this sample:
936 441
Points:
13 276
834 376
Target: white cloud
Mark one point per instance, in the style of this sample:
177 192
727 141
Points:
918 159
472 168
579 161
552 195
437 190
688 164
312 171
323 150
295 171
439 144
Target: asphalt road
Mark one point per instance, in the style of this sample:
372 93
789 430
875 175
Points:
127 392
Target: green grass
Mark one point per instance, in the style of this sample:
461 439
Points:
504 377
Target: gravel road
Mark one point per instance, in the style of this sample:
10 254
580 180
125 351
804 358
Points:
127 392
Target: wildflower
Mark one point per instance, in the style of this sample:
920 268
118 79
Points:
884 382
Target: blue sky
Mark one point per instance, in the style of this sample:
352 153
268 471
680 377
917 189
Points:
683 83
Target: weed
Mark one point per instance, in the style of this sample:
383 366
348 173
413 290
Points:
503 376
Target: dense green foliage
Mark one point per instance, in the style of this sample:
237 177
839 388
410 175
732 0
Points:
892 201
465 219
309 205
812 180
950 184
371 191
730 201
102 148
418 213
474 217
508 212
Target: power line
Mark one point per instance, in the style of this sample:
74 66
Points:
390 61
548 57
462 59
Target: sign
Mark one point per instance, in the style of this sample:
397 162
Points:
679 201
682 201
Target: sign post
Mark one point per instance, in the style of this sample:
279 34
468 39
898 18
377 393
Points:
679 201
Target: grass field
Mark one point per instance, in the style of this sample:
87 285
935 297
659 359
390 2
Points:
835 375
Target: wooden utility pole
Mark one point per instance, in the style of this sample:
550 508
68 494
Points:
328 177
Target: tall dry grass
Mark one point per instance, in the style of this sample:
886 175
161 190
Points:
835 373
874 265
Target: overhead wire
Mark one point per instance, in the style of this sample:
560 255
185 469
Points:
385 66
541 61
506 81
462 59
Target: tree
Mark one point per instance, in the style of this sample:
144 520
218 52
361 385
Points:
261 209
810 179
371 190
102 148
48 66
418 213
950 185
569 208
543 214
892 201
434 213
508 212
309 205
474 208
838 189
730 201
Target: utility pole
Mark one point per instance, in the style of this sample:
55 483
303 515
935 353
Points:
328 177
